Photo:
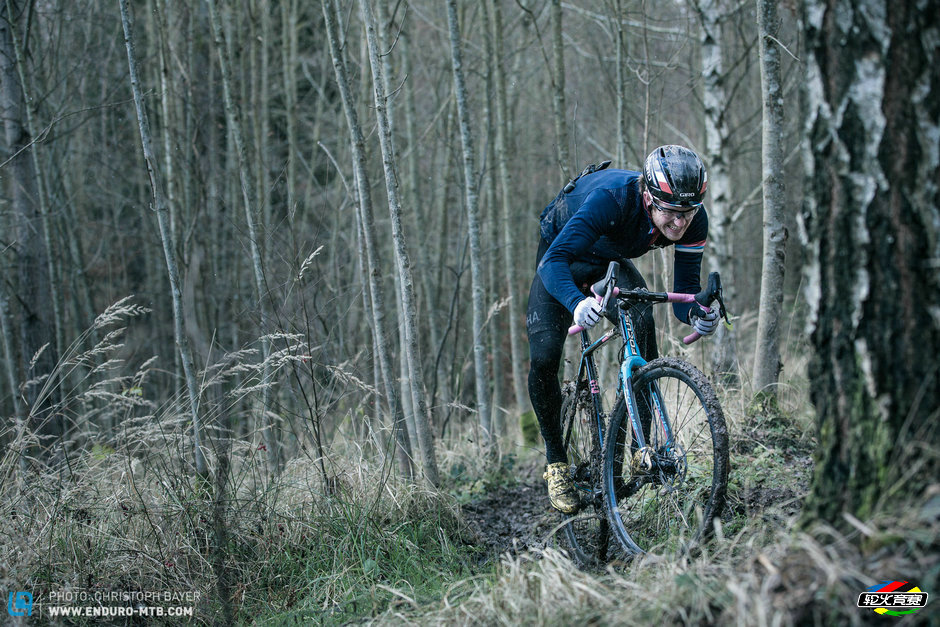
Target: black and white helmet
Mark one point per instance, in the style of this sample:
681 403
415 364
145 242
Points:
675 177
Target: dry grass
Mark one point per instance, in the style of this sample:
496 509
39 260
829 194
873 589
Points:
133 518
767 574
115 506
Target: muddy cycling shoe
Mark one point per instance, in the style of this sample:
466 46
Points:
561 490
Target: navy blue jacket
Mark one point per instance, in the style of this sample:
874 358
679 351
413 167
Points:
603 220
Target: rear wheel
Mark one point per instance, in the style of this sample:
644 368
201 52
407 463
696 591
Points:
586 533
663 498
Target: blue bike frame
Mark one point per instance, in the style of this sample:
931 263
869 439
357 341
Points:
631 361
588 365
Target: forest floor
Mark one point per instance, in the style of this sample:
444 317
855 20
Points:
770 473
520 563
512 518
762 567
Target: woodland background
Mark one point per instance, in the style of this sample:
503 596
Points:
266 342
98 240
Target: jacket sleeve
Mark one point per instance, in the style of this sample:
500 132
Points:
596 215
688 263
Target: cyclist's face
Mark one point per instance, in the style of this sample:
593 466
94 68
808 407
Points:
672 224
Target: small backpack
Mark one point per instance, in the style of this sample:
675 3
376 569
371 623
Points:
590 169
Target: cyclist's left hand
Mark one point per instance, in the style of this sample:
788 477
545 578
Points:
587 313
704 323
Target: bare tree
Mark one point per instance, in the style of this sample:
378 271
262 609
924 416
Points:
42 195
422 426
289 64
473 224
717 137
169 245
513 293
559 108
26 241
250 204
376 293
767 358
620 41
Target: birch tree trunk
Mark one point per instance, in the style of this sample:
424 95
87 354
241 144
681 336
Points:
289 62
409 403
263 118
767 358
357 144
421 417
423 210
870 218
559 108
721 256
169 245
249 200
496 324
473 225
621 43
31 267
513 292
162 16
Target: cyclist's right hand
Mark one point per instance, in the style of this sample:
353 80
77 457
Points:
587 313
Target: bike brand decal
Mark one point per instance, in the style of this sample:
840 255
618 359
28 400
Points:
893 598
594 388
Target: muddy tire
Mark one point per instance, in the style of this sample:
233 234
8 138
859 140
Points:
664 499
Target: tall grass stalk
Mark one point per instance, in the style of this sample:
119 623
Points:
116 507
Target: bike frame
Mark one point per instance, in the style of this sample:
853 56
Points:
604 476
630 361
590 368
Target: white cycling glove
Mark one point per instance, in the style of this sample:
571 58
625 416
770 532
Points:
703 323
587 313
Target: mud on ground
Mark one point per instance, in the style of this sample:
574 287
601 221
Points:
514 518
518 517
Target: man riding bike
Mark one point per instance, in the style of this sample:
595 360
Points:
609 215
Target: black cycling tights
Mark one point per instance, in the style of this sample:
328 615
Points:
547 323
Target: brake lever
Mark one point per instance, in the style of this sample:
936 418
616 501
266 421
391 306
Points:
722 311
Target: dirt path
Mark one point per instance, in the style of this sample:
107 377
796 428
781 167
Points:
518 517
513 518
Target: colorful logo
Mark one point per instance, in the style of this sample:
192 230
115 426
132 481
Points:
20 604
893 598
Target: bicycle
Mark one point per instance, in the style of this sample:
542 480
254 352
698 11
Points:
664 492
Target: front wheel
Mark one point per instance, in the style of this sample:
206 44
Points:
664 497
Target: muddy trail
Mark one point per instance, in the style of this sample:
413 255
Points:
512 519
518 517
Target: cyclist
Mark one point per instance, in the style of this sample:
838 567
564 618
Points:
602 216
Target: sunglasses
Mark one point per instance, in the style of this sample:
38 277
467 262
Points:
676 212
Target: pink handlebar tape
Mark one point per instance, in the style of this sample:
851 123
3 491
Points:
671 297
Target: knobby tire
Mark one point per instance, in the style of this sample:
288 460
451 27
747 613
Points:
668 507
